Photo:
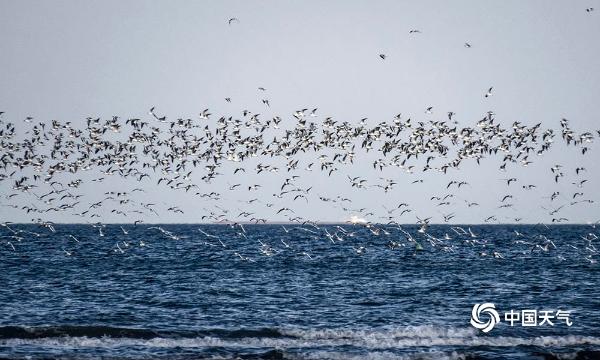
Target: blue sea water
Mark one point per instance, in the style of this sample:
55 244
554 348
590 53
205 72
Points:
269 292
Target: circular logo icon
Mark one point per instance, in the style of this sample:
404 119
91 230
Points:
485 308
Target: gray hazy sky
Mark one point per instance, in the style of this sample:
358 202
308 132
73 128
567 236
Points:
71 59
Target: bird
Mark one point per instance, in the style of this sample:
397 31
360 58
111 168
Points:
508 181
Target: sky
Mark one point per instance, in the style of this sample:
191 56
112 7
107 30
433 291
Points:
68 60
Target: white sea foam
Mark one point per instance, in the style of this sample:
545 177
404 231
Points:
395 338
423 331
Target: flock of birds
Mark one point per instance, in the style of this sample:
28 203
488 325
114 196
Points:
46 165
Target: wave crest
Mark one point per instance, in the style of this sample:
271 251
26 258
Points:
388 338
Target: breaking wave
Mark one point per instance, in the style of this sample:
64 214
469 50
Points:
388 338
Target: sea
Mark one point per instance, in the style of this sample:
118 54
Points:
293 291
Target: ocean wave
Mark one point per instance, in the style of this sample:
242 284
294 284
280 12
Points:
25 332
91 331
389 338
